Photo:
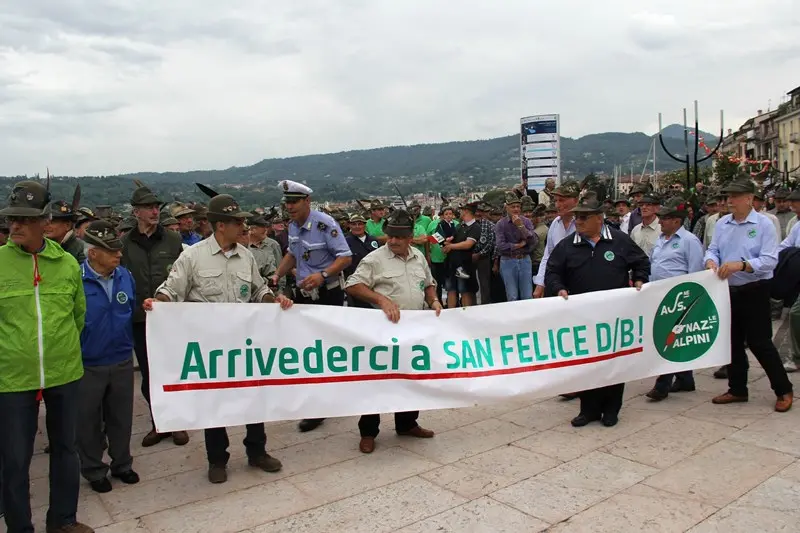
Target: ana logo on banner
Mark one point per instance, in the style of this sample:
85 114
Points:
686 324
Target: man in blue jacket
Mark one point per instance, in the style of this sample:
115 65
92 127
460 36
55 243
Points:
106 389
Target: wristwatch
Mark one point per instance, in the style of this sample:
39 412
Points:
324 275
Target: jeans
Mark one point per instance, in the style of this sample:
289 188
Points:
517 277
20 412
751 323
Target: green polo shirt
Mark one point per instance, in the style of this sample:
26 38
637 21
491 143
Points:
375 229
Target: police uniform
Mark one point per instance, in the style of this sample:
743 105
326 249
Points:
750 242
315 246
403 280
680 253
207 273
361 247
578 267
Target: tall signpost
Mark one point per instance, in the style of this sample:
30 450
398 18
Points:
540 150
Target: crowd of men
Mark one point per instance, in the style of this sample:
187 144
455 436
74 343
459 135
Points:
77 285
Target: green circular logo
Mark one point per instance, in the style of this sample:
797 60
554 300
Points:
609 256
122 298
676 245
243 290
422 285
751 234
686 323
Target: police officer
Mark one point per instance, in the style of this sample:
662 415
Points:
361 245
318 253
62 230
220 270
595 258
743 250
675 253
394 277
148 252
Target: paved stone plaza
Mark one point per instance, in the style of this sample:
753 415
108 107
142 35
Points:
679 465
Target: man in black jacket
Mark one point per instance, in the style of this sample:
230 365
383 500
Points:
360 244
596 258
149 252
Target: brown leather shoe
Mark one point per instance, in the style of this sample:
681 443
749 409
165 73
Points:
726 398
418 432
180 438
152 438
77 527
784 403
367 444
217 474
267 463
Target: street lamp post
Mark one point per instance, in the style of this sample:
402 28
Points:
687 160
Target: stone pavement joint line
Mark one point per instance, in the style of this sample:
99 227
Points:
674 466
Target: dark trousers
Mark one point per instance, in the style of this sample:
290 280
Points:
20 413
106 411
484 270
255 443
498 289
751 323
368 425
334 297
140 347
664 383
439 272
602 401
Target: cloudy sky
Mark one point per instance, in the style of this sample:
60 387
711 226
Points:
112 86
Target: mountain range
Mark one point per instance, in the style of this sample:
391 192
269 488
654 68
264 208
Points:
439 168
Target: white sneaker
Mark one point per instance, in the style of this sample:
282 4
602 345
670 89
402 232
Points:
461 274
790 366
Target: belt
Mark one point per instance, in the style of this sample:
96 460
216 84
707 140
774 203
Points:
514 256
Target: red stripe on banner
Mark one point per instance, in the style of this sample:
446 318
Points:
270 382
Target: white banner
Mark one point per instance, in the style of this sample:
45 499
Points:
215 365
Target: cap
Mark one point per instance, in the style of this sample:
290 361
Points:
794 196
414 206
27 199
200 211
588 205
472 207
127 224
675 207
84 214
101 233
357 217
61 210
512 198
293 190
166 219
745 186
223 207
650 198
780 194
611 213
622 200
759 194
258 220
550 209
143 196
527 203
427 211
639 188
399 224
179 210
376 204
568 189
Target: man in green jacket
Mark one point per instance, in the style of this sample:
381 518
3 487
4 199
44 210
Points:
148 251
42 309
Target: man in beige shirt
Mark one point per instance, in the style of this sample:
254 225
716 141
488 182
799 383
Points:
220 270
646 233
394 277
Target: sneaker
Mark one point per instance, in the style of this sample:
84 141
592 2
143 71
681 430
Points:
461 274
76 527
